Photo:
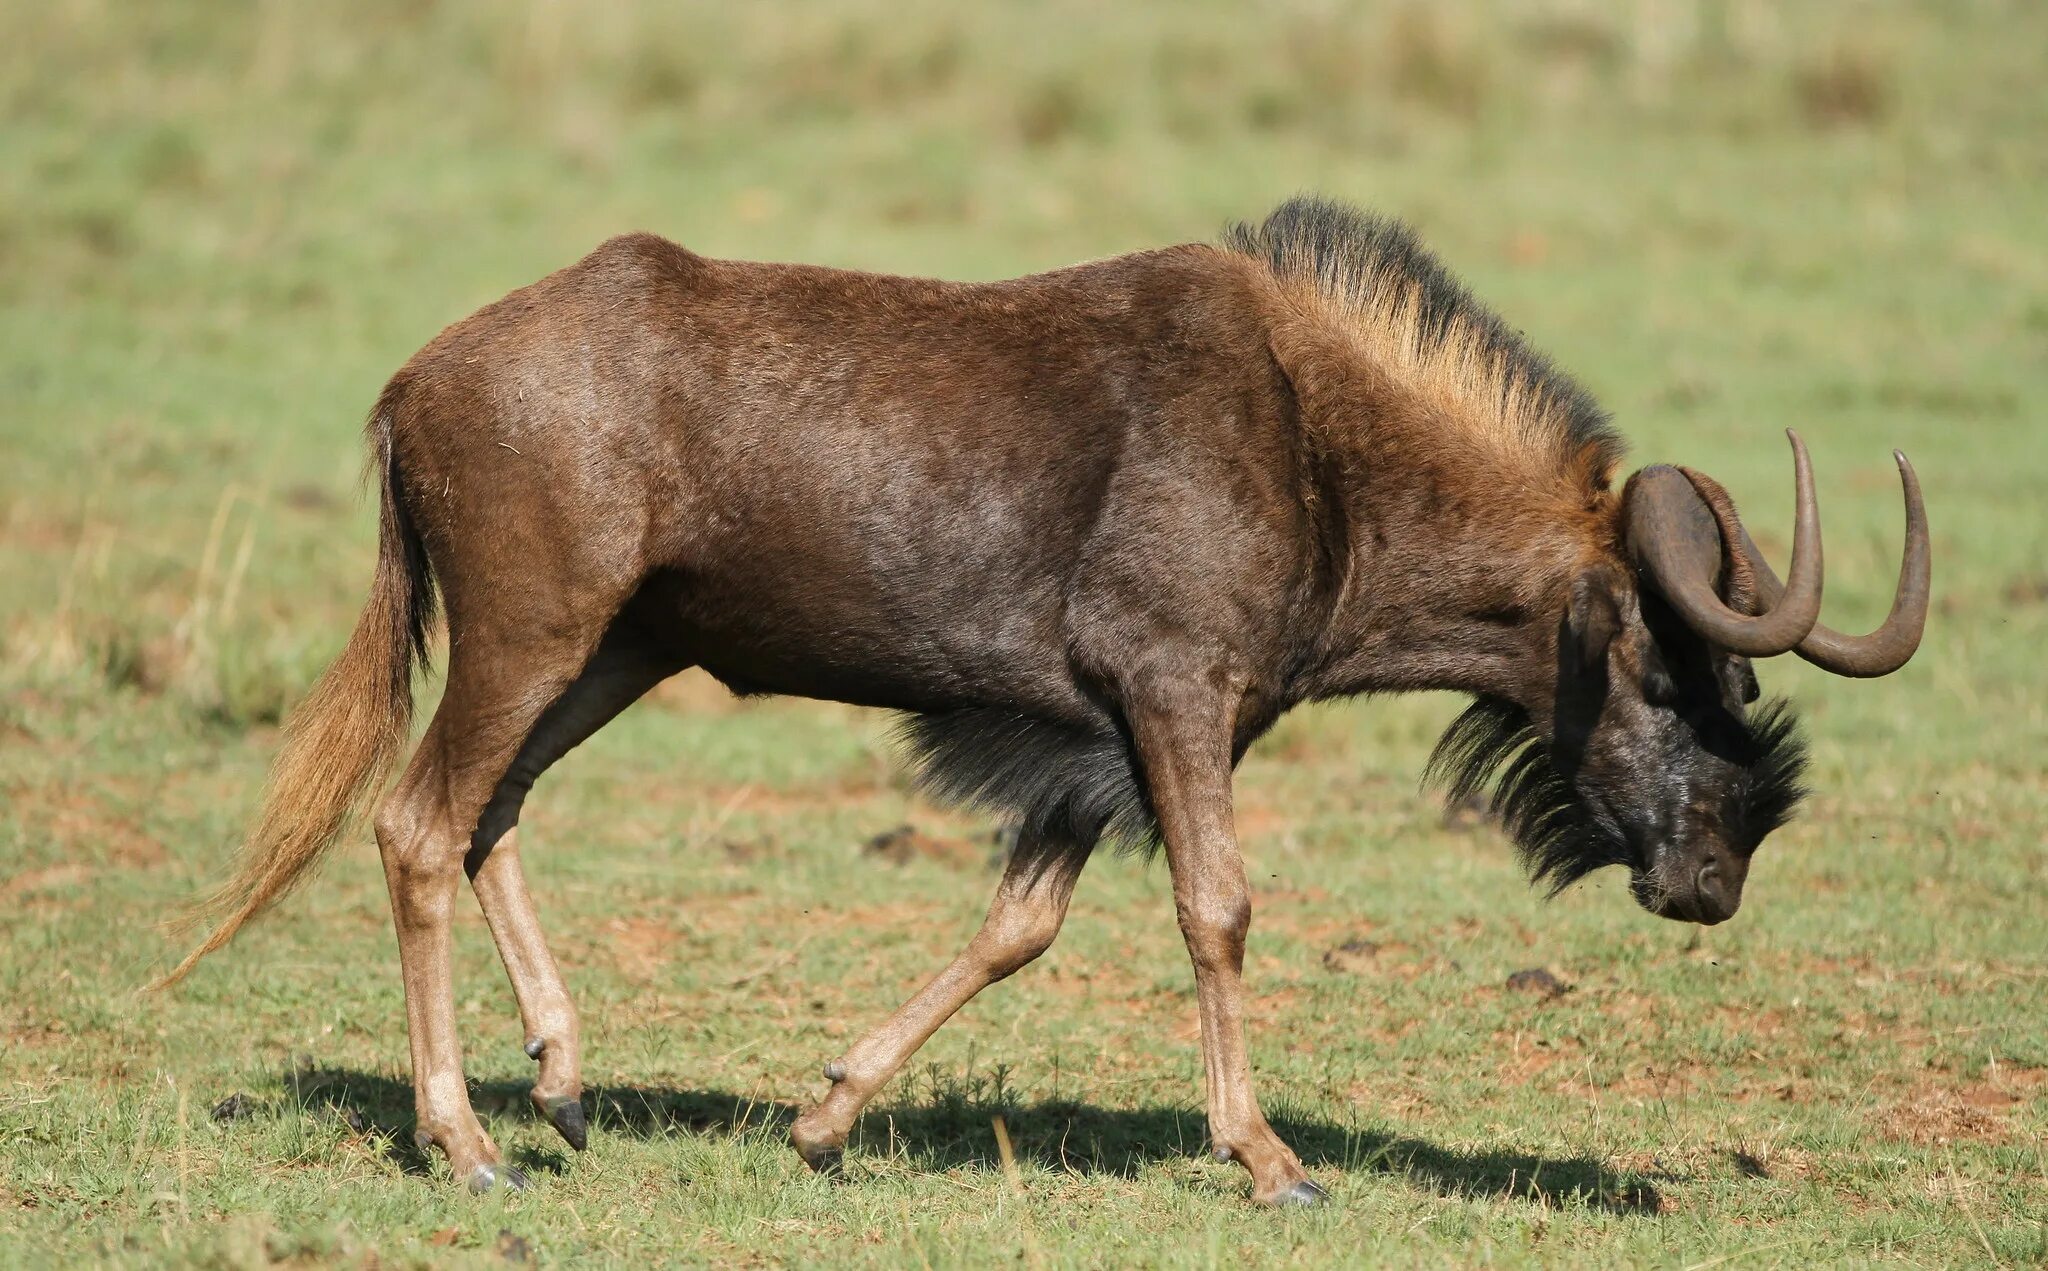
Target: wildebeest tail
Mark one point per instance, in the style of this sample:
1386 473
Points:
343 739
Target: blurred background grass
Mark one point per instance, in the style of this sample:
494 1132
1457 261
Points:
223 225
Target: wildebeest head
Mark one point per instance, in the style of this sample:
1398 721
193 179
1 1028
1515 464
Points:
1652 752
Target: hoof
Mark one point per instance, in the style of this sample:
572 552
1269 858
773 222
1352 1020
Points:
486 1178
835 1072
1302 1195
535 1046
566 1115
823 1158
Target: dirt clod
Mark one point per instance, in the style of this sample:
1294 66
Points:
1353 957
1538 982
905 843
233 1108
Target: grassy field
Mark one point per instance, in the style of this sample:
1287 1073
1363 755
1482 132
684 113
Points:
221 228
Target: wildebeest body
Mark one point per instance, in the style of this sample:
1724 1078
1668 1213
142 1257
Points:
1092 531
891 492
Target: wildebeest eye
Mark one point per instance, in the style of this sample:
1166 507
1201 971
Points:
1659 688
1742 676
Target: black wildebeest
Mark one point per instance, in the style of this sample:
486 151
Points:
1092 531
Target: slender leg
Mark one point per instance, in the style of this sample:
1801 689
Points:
615 678
1023 920
424 828
1185 751
545 1008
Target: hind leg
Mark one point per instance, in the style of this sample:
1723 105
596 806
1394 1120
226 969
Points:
1023 920
616 677
497 690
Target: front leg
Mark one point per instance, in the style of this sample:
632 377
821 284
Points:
1184 739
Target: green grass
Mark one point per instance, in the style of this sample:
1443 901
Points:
221 229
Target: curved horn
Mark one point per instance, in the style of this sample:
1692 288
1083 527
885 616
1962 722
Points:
1676 541
1890 646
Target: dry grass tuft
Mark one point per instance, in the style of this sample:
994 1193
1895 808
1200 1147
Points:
1847 84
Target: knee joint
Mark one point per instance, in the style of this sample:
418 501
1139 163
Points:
1215 926
1020 940
395 824
411 850
1228 915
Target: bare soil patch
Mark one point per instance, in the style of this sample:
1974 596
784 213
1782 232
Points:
1947 1109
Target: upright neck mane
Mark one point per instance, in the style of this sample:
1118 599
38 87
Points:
1476 474
1369 281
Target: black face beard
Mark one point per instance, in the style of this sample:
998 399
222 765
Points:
1493 749
1773 778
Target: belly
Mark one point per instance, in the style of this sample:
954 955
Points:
846 610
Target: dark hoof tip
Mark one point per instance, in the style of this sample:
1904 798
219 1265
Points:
485 1178
823 1160
566 1115
534 1047
835 1072
1302 1195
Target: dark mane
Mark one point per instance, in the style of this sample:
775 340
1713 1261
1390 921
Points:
1061 789
1377 267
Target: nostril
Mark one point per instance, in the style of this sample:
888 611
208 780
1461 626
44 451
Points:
1710 886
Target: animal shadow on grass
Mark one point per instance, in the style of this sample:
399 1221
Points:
951 1129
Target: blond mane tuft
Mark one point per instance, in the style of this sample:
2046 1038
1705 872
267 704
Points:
1372 278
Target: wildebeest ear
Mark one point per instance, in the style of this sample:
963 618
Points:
1592 620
